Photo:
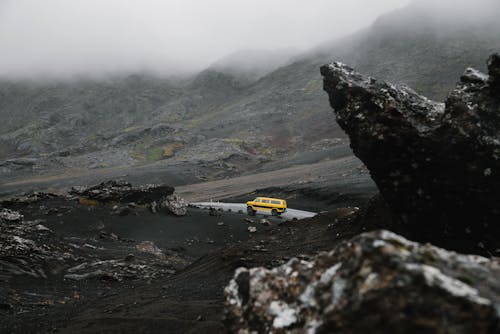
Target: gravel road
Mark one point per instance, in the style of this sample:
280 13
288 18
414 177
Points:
290 214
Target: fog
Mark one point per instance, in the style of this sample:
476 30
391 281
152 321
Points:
61 38
467 10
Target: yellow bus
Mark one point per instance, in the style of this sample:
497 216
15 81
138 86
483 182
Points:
275 205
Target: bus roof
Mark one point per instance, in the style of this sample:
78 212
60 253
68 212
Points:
270 198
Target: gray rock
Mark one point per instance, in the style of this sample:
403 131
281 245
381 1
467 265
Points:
154 207
377 282
252 229
121 210
175 205
265 222
119 270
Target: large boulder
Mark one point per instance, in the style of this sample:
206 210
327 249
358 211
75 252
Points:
175 205
377 282
436 165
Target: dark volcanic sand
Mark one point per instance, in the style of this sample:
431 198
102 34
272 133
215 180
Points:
79 222
191 300
45 303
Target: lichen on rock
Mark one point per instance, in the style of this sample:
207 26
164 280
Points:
378 282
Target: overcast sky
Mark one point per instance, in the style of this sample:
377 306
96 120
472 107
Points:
65 37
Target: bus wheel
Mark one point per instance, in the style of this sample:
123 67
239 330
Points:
274 212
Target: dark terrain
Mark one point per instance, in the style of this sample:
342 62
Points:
71 263
184 290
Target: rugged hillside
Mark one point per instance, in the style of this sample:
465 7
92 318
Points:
223 120
41 117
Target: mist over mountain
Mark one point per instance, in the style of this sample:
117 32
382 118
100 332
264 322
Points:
424 45
271 100
96 38
254 64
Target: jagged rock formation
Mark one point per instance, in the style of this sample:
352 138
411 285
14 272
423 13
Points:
437 165
377 282
123 192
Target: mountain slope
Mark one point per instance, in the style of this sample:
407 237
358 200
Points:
251 65
222 116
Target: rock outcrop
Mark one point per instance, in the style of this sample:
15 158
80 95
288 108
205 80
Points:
123 192
436 165
377 282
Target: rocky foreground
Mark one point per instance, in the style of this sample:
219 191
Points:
436 166
377 282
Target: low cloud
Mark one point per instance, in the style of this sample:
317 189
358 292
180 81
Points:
90 37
